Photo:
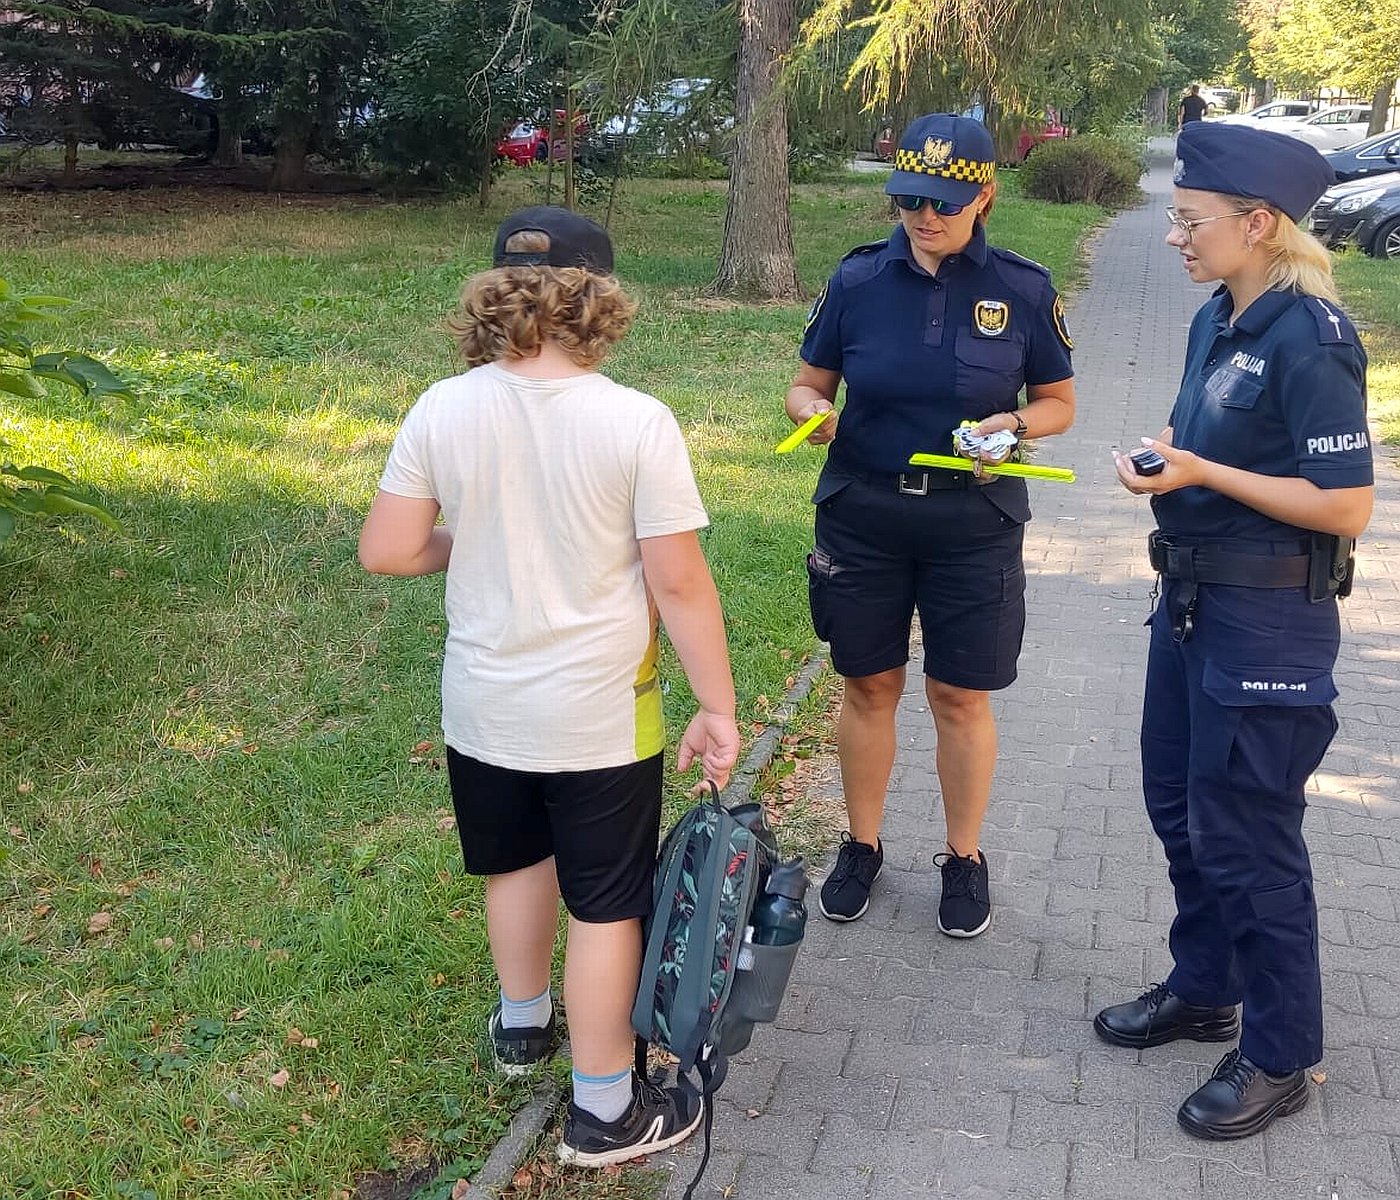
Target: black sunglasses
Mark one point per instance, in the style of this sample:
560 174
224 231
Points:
943 208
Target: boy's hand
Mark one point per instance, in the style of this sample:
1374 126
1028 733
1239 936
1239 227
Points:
713 739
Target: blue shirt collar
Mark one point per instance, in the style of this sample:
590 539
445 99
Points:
975 251
1256 318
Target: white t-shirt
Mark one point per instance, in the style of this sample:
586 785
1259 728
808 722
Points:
546 487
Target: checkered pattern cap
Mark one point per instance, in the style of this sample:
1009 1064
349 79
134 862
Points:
944 157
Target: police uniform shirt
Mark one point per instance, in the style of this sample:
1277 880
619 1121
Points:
1280 392
921 353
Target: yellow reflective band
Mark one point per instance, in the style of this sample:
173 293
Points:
953 462
799 435
965 169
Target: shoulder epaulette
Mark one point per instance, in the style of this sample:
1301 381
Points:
867 248
1020 260
1332 324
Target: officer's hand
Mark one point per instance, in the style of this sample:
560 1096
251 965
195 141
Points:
1179 472
996 423
824 432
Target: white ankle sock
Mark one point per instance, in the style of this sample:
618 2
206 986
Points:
607 1097
526 1014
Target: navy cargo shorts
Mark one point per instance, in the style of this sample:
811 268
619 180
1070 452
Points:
953 554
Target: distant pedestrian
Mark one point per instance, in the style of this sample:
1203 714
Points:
569 522
926 329
1191 108
1267 478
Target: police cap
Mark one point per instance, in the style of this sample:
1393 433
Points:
943 157
1240 160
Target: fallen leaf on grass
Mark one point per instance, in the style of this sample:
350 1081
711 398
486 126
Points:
119 573
128 889
43 910
459 1189
422 747
25 787
99 922
522 1179
239 1013
280 1078
164 943
446 824
196 941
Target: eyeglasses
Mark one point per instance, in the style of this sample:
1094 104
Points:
1188 227
943 208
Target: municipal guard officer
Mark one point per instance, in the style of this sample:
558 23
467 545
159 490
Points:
1260 480
929 328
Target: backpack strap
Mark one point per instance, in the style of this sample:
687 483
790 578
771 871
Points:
712 1066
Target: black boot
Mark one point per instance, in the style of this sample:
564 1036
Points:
1158 1017
1241 1099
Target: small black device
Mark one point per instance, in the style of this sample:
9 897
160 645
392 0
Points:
1147 461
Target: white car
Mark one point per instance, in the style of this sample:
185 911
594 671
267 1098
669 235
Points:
1272 113
1332 128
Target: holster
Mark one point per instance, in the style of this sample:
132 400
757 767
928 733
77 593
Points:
1331 566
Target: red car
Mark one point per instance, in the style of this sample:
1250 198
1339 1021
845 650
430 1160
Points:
526 142
1049 129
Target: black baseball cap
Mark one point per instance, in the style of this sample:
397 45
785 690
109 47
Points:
574 240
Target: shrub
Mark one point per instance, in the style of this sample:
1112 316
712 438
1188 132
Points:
1083 170
29 491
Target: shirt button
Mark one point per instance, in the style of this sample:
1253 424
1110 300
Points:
934 321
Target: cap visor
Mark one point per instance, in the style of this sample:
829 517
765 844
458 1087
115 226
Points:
935 187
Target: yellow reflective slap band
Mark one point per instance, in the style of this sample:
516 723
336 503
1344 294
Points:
799 435
954 462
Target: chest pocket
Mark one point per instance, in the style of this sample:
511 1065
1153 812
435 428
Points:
990 372
1230 387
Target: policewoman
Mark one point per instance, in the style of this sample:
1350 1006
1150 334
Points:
928 328
1267 478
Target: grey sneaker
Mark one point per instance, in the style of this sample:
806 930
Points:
519 1051
658 1119
846 893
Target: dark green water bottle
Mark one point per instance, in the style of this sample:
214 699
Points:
779 917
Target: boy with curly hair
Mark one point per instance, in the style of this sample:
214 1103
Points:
569 518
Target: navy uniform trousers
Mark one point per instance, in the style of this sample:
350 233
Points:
1235 719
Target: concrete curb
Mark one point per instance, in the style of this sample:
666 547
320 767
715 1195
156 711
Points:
527 1125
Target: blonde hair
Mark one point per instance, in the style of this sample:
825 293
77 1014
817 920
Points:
1298 262
509 312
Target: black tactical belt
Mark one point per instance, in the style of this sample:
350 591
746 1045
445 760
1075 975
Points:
921 483
1206 563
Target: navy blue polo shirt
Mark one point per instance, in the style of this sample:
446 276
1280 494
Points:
922 353
1280 392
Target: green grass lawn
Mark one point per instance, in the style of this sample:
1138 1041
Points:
237 954
1371 291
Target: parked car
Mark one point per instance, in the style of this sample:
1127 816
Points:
1365 212
1275 110
528 142
1330 128
680 116
1047 128
1219 100
1372 156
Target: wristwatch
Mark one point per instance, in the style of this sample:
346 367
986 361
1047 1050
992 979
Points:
1020 426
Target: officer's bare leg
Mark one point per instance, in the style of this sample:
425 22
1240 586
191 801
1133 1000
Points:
966 759
865 739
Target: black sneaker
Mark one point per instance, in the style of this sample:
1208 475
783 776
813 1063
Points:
658 1119
846 893
519 1051
966 907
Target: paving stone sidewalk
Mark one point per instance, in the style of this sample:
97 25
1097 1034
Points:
907 1064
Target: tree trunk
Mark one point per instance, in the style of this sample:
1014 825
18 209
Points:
228 151
1154 109
757 260
289 162
1380 107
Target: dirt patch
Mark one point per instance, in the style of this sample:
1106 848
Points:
188 173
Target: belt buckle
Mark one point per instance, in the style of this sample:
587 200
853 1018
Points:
906 488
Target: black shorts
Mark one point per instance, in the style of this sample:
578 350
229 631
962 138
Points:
953 555
601 827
